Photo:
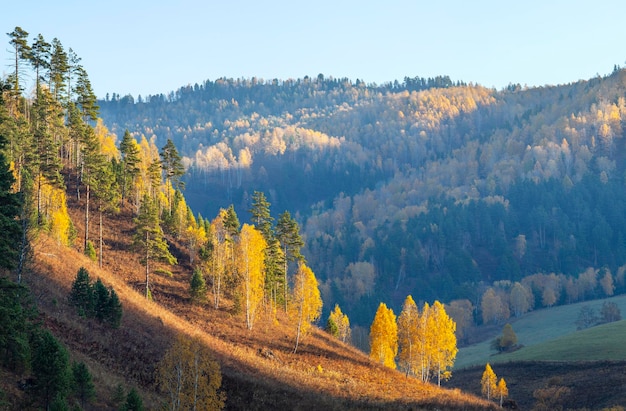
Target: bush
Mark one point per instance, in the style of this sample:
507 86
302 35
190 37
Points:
90 251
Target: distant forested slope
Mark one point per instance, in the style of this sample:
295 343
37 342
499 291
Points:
426 187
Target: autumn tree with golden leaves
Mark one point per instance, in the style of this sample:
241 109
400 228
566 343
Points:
306 302
252 270
342 323
384 337
488 382
190 377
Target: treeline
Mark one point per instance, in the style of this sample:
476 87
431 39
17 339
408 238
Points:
425 190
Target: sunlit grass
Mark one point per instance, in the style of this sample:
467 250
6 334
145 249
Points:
540 327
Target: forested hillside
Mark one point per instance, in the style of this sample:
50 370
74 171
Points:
114 294
427 187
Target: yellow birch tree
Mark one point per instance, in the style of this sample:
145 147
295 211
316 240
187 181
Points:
190 377
488 382
442 329
306 302
251 258
408 328
384 337
342 322
501 390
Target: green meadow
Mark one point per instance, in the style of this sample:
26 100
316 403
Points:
551 335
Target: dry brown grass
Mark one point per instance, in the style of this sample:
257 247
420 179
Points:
259 368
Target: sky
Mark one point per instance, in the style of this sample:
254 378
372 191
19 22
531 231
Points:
142 47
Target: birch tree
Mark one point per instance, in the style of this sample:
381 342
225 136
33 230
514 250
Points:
384 337
306 302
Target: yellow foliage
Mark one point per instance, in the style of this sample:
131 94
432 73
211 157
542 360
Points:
306 302
488 382
342 322
190 376
53 208
384 337
108 141
252 267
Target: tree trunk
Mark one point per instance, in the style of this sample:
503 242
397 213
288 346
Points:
147 264
86 215
100 254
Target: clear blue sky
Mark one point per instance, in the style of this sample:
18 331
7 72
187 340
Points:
150 47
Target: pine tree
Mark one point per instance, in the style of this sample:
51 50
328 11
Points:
101 296
59 68
81 294
18 313
173 168
50 368
10 207
130 151
384 337
114 310
82 383
133 401
86 99
21 52
39 59
149 240
306 302
197 286
488 382
288 233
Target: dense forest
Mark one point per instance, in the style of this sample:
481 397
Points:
429 187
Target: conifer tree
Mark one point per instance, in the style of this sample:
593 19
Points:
59 67
384 337
39 59
19 42
50 368
149 240
131 160
197 286
288 233
133 401
81 294
114 310
488 382
306 302
82 383
173 169
10 206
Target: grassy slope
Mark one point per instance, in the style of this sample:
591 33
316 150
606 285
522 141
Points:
535 328
259 369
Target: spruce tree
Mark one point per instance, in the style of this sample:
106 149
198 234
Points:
114 310
81 294
82 383
50 369
197 285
